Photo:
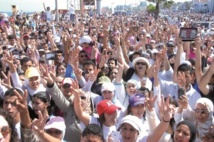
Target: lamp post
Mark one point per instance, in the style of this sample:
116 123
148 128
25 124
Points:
56 10
98 7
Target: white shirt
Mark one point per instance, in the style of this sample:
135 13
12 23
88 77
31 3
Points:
138 79
106 130
71 10
48 14
170 88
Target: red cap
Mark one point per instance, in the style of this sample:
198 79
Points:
106 106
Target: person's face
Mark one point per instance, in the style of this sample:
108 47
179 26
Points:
138 110
5 134
113 74
129 133
84 45
91 138
188 77
111 64
140 67
12 41
170 48
39 105
201 113
22 79
82 57
88 68
26 65
110 119
26 40
107 95
61 70
59 57
58 81
55 133
9 105
182 134
34 82
4 35
131 89
172 60
66 90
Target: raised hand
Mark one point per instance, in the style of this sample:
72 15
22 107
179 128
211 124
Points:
38 124
150 102
183 102
181 80
6 81
165 109
46 75
21 102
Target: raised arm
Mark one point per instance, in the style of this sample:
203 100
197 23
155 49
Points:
83 116
198 69
203 84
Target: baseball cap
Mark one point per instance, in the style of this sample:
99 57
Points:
103 79
56 123
67 81
85 39
136 99
106 106
152 41
133 121
107 86
31 72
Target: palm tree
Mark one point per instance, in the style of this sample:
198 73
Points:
158 2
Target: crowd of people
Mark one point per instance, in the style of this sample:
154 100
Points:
114 78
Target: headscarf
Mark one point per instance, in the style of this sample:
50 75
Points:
192 129
203 128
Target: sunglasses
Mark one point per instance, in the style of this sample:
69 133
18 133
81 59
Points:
83 97
5 130
66 86
83 56
140 63
52 132
201 111
105 92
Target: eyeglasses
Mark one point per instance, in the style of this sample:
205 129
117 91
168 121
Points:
201 111
140 63
56 132
5 130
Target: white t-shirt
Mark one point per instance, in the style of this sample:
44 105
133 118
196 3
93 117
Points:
48 14
71 10
106 130
18 129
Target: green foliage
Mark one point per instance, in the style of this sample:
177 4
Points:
151 8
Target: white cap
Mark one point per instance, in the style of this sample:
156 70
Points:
152 41
85 39
56 123
107 86
138 59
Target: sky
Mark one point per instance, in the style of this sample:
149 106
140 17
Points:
37 5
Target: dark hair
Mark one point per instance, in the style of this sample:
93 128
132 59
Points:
10 37
8 118
10 92
89 62
44 97
24 60
135 53
184 67
114 59
101 119
128 112
93 129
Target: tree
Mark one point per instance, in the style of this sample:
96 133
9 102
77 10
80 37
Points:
151 8
158 2
168 4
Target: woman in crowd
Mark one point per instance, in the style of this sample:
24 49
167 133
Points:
201 116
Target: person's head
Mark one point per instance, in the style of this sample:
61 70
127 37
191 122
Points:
26 39
170 47
56 127
107 90
9 102
59 56
7 126
140 64
32 77
66 84
131 87
136 105
58 80
107 112
48 8
130 128
40 102
171 59
113 73
134 55
26 63
186 69
112 62
145 91
100 81
85 41
204 110
60 69
82 57
11 40
185 132
88 67
92 133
